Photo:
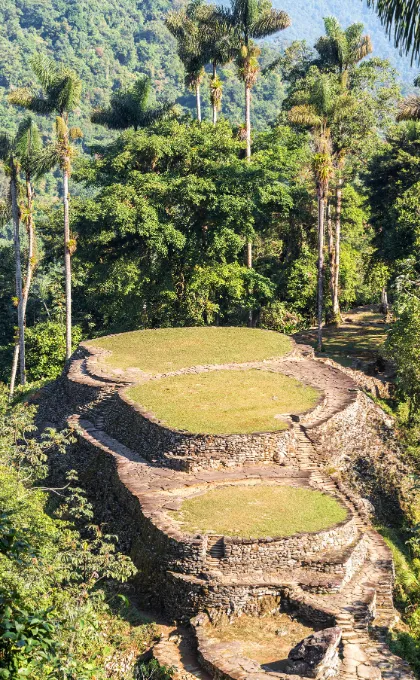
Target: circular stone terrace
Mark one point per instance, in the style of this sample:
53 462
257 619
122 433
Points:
210 441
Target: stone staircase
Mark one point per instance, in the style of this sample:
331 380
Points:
359 594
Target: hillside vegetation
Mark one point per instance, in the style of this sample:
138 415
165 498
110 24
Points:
107 43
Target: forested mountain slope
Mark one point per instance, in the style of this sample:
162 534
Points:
307 23
106 41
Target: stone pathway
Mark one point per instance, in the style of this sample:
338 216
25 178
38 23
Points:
360 598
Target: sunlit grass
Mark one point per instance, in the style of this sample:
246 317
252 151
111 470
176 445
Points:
225 401
259 510
170 349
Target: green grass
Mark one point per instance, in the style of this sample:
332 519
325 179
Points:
259 510
169 349
363 338
226 401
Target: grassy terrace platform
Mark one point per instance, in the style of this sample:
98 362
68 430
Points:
259 510
170 349
225 401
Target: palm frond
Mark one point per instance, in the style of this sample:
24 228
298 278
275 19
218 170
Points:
24 98
45 70
409 109
28 143
364 48
268 23
401 20
6 146
47 160
305 115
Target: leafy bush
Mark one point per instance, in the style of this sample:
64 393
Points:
46 349
277 317
59 574
403 347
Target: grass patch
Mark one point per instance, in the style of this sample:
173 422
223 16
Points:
169 349
361 335
265 639
225 402
259 510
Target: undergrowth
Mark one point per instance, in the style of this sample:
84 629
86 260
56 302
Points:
64 610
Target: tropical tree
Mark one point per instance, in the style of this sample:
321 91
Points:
130 108
401 19
340 51
248 19
409 108
60 93
9 158
316 108
185 26
29 150
219 49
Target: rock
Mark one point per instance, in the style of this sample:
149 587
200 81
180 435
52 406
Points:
317 655
368 672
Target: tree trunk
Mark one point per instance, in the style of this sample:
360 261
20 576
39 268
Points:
198 101
336 273
67 258
29 272
20 351
248 121
31 247
214 102
331 248
321 209
384 301
248 157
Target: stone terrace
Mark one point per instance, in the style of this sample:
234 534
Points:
342 576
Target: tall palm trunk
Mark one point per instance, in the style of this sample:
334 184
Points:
336 268
248 158
29 273
31 245
248 121
19 353
214 103
331 248
67 255
321 213
198 101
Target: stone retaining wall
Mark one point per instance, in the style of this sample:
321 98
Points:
222 660
241 554
130 424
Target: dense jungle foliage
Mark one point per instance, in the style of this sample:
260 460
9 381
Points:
177 221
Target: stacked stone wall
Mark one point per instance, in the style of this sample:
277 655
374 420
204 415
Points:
161 445
278 553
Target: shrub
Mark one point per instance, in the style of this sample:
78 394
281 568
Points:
46 349
277 317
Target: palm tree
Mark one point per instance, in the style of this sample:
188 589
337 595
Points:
316 109
248 19
219 49
130 107
60 93
340 50
29 153
409 109
401 18
184 24
9 158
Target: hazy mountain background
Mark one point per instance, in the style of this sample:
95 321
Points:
307 23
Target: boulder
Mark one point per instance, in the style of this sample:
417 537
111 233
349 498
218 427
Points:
317 655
